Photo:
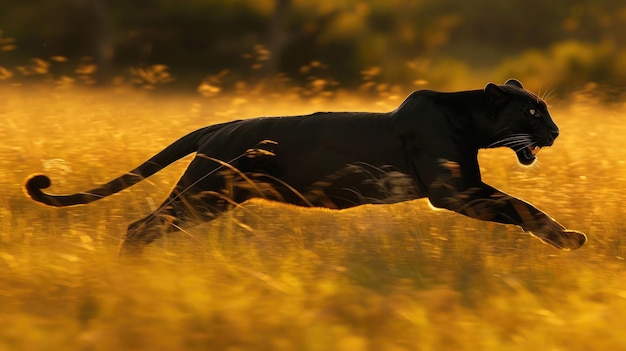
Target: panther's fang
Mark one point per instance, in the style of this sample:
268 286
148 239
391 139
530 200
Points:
534 150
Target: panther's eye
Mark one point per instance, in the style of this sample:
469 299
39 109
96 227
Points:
533 112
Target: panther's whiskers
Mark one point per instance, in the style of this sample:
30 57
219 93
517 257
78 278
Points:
547 94
512 139
522 147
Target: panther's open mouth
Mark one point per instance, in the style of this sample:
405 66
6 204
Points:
528 155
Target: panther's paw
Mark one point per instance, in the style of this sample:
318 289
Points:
565 240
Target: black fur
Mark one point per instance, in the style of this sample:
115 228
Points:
427 147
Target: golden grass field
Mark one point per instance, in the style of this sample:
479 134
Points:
274 277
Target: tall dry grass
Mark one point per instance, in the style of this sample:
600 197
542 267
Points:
274 277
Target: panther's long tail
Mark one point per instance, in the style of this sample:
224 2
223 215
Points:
177 150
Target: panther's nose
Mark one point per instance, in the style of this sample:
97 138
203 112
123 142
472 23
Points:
555 133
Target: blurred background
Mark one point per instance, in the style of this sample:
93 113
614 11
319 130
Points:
211 46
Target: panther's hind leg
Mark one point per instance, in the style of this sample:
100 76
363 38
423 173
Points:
146 230
196 198
177 213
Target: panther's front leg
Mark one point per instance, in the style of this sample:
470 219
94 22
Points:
484 202
551 232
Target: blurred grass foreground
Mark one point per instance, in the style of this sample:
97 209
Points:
90 89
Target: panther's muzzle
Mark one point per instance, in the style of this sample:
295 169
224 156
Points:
528 155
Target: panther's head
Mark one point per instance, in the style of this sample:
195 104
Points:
520 121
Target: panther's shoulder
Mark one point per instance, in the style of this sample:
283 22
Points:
436 100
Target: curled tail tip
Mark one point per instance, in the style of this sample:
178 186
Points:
34 184
40 181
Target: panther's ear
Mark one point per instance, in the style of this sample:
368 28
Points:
514 83
496 94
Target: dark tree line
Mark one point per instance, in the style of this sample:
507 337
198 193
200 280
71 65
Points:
404 40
